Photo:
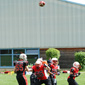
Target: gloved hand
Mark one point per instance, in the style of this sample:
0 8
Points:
53 75
58 73
78 74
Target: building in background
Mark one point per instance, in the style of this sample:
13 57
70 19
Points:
24 26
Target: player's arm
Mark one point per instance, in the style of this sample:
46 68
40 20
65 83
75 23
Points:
50 72
52 75
47 67
26 66
72 74
15 69
27 69
31 70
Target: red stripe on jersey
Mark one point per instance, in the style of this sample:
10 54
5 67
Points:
25 79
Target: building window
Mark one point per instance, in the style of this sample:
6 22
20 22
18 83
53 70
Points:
6 60
7 56
32 58
19 51
15 57
5 51
31 51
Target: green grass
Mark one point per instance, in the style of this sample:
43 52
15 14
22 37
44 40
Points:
6 79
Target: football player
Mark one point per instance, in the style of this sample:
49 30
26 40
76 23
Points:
40 71
54 70
20 68
73 74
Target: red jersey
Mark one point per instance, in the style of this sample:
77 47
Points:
54 69
75 71
20 66
41 72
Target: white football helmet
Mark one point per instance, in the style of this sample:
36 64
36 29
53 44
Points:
40 59
23 56
38 62
54 59
76 64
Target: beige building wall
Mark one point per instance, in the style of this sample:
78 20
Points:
23 24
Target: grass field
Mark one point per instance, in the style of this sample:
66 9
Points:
6 79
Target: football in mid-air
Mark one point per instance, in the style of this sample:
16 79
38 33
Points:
41 3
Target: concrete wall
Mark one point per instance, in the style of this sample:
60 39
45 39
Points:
24 24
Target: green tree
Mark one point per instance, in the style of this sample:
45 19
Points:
80 57
52 52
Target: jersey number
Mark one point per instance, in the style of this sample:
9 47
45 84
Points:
19 67
39 74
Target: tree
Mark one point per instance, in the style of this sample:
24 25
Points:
52 52
80 57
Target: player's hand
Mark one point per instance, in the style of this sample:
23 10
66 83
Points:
58 73
53 75
15 71
79 73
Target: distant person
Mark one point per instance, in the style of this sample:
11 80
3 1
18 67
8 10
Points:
49 61
20 68
73 74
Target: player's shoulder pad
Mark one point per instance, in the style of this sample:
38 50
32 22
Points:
51 66
72 69
26 62
15 62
